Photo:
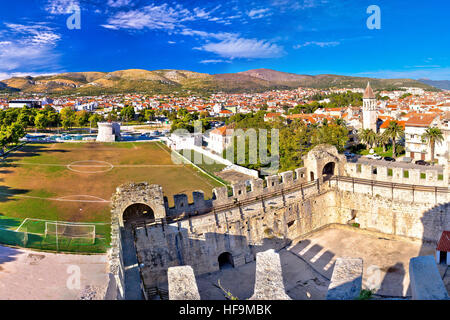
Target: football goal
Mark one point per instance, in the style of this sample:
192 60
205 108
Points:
70 230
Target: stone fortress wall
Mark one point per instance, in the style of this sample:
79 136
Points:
274 211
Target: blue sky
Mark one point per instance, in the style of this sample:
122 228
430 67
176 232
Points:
299 36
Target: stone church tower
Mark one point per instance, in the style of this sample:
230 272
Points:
369 109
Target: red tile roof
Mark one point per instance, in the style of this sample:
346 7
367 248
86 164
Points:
444 242
421 120
385 124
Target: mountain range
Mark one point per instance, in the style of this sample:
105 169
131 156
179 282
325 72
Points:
440 84
181 81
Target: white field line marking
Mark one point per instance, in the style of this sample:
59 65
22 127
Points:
21 224
197 167
103 164
100 166
67 222
52 199
157 143
83 195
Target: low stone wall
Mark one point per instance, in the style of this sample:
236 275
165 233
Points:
382 171
116 284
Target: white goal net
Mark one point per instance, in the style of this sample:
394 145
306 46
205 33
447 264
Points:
70 230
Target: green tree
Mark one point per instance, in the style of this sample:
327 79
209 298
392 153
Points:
82 118
382 139
433 136
94 119
127 113
368 137
394 131
149 114
41 121
67 117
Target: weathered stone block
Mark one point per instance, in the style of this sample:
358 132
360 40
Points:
269 278
346 281
182 284
426 282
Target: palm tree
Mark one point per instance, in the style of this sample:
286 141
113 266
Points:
339 122
394 131
383 139
367 136
433 135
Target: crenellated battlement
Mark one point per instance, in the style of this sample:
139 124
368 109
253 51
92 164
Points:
434 176
265 214
320 163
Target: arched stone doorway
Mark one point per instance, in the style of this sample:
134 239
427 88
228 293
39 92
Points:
324 161
137 212
226 261
328 170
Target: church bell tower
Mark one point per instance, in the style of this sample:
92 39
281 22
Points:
369 109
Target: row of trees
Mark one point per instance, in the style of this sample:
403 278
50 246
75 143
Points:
48 117
296 138
394 133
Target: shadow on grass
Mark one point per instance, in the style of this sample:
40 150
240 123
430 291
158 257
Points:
8 193
31 150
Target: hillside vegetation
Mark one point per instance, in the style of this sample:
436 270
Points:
181 81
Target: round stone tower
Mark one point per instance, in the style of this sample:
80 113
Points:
108 132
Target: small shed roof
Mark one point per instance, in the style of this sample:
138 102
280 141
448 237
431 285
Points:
444 242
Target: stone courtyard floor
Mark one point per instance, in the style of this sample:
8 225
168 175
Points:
32 275
308 265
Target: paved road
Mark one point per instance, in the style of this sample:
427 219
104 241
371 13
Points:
32 275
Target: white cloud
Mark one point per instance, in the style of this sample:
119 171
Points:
176 20
28 47
61 6
318 44
150 17
214 61
294 5
118 3
211 35
6 75
36 33
244 48
259 13
431 73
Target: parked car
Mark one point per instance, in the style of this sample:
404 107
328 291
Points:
422 163
389 159
374 156
349 154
